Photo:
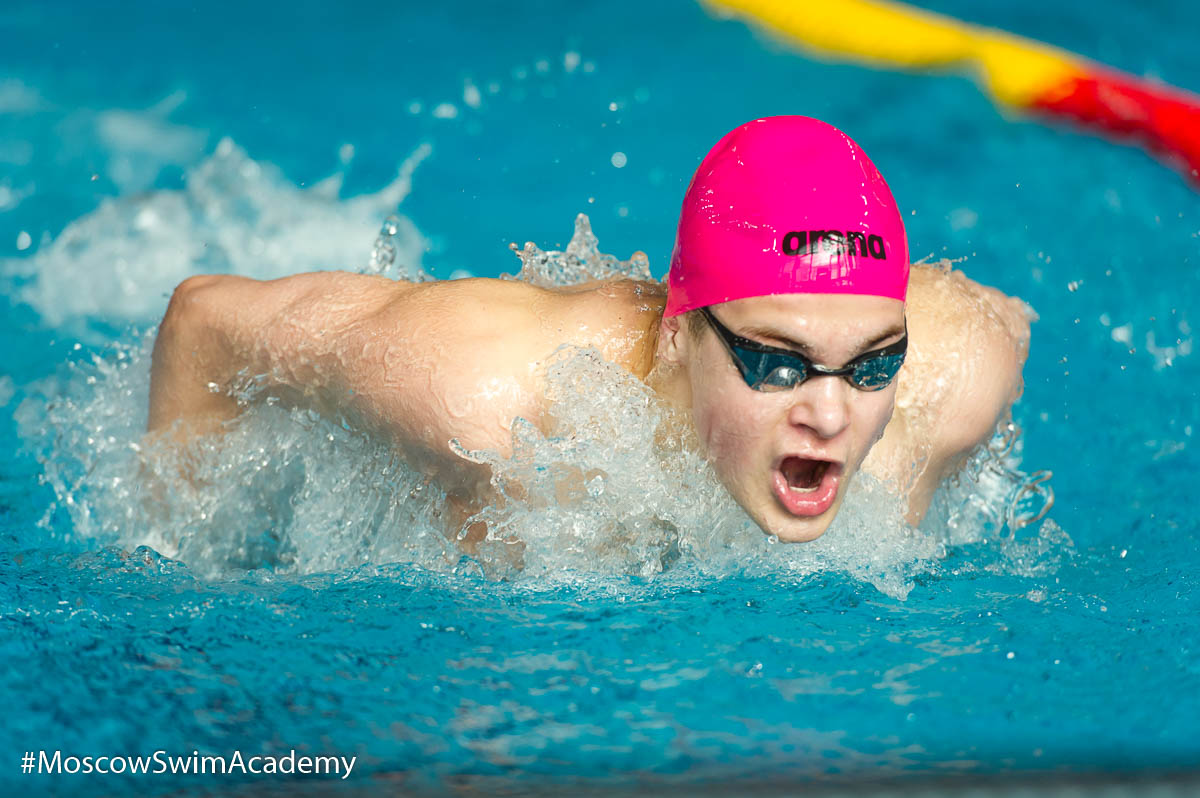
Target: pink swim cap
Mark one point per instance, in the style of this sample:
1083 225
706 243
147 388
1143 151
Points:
786 205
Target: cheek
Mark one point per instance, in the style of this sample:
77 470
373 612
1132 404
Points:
873 415
728 421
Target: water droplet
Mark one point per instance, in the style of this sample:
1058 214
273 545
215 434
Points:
471 95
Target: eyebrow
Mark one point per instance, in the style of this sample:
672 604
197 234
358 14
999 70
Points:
861 346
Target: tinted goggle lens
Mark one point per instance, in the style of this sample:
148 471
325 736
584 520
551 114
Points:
764 371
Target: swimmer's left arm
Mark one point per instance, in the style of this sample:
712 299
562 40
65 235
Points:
971 342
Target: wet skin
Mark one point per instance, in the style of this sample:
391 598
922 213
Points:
753 438
427 363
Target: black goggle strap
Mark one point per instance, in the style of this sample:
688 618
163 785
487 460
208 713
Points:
756 361
733 343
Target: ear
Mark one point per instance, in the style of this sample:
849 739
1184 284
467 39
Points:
672 341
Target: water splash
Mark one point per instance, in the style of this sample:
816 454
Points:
390 241
279 488
582 262
614 487
234 215
992 501
609 490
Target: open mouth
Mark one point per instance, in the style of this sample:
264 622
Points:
806 487
802 474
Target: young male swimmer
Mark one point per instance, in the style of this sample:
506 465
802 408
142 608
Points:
788 313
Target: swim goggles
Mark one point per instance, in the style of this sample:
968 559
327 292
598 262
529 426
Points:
768 368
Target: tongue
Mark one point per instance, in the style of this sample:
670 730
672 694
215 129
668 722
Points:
801 472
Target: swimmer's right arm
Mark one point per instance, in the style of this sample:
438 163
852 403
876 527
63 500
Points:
295 331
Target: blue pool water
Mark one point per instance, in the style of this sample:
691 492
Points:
306 609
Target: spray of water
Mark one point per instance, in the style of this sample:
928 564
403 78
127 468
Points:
234 215
614 487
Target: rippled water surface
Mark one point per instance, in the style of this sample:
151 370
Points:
298 595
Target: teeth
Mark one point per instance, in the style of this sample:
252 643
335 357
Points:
794 489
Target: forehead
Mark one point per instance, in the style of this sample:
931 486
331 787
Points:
816 316
823 323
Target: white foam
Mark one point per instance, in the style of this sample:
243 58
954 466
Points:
139 144
234 215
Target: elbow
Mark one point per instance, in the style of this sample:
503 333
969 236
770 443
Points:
197 313
188 304
187 349
194 298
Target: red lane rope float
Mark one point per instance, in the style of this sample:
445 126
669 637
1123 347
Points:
1165 121
1016 72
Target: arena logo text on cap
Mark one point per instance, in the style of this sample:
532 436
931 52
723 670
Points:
812 241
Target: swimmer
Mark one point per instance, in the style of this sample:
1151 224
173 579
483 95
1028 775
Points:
791 334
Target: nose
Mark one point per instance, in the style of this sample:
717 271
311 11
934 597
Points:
822 404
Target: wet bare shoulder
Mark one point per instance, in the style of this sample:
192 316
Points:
457 360
967 348
618 317
967 342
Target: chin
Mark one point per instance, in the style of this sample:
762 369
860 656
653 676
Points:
792 532
791 529
773 516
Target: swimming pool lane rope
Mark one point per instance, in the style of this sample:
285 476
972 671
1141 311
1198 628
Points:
1016 72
